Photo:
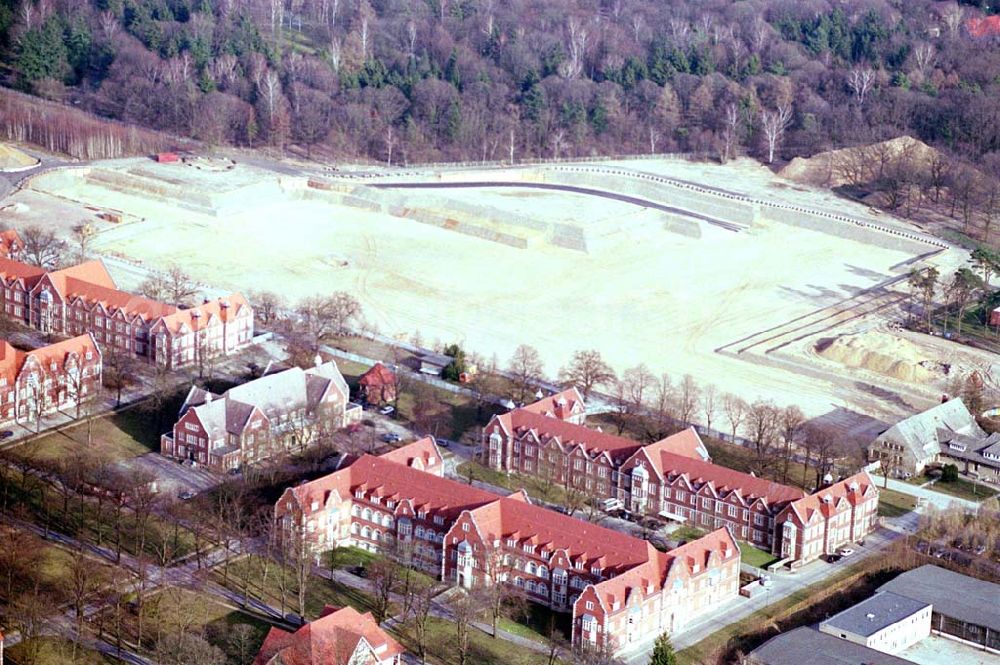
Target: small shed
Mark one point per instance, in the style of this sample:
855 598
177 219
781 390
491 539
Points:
167 157
378 384
434 363
995 317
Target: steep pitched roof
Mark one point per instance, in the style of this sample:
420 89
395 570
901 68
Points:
114 300
11 270
12 360
922 433
546 428
561 405
92 273
724 479
379 375
421 454
986 26
205 314
10 241
824 501
332 638
680 563
685 443
549 530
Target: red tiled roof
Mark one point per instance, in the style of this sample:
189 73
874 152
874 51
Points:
423 450
609 549
12 360
205 314
10 241
987 26
521 420
560 405
724 479
332 638
662 566
10 270
378 375
114 300
686 443
89 272
387 479
808 505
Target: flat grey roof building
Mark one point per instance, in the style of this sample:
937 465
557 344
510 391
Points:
871 616
808 646
953 595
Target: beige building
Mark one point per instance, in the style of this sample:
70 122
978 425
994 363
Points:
886 622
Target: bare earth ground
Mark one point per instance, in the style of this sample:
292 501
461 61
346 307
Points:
642 295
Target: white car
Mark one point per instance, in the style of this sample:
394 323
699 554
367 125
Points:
845 551
386 410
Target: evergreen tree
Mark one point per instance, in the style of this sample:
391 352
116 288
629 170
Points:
663 652
42 53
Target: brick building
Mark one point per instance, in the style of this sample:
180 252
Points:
280 411
55 377
11 245
675 479
338 636
619 589
378 385
84 299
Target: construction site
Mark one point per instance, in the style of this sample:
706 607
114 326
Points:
766 288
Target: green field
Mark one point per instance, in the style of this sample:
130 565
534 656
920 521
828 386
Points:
893 504
54 651
755 557
536 487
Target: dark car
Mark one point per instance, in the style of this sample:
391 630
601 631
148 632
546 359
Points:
389 437
832 558
6 434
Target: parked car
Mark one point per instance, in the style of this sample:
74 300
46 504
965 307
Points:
186 495
766 581
6 434
832 558
387 410
390 437
845 551
444 443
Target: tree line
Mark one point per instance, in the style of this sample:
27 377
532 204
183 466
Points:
479 79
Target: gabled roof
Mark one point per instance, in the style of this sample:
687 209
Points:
92 273
561 405
681 563
824 502
11 270
723 479
986 26
328 640
569 434
10 241
379 375
685 443
608 549
114 300
205 314
422 454
12 360
922 433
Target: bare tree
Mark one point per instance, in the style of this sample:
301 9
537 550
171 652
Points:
773 124
709 403
735 409
688 394
384 576
586 371
525 370
43 247
791 421
465 610
762 422
861 80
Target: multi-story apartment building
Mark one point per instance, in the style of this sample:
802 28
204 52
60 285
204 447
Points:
619 589
673 479
280 411
55 377
84 299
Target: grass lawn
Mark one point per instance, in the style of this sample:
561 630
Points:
536 487
351 370
483 649
687 533
963 489
893 504
454 416
116 436
319 593
54 651
535 625
756 557
175 609
349 557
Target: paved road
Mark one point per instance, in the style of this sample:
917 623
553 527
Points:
937 499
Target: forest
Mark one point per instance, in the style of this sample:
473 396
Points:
405 81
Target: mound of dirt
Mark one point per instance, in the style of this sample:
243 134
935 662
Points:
852 166
12 159
881 353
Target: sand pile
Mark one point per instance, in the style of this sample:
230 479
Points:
882 353
12 159
851 165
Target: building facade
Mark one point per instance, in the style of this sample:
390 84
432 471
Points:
907 447
470 538
84 299
57 377
280 411
886 622
675 479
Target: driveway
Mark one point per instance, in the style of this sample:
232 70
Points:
929 496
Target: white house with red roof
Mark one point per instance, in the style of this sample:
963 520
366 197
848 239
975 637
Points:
340 636
470 537
85 299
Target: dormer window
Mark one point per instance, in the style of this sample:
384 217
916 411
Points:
358 494
595 570
315 506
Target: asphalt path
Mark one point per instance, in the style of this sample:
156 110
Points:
633 200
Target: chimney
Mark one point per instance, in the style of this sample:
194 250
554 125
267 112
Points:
318 360
208 396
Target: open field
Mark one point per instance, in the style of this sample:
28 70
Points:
893 504
647 286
